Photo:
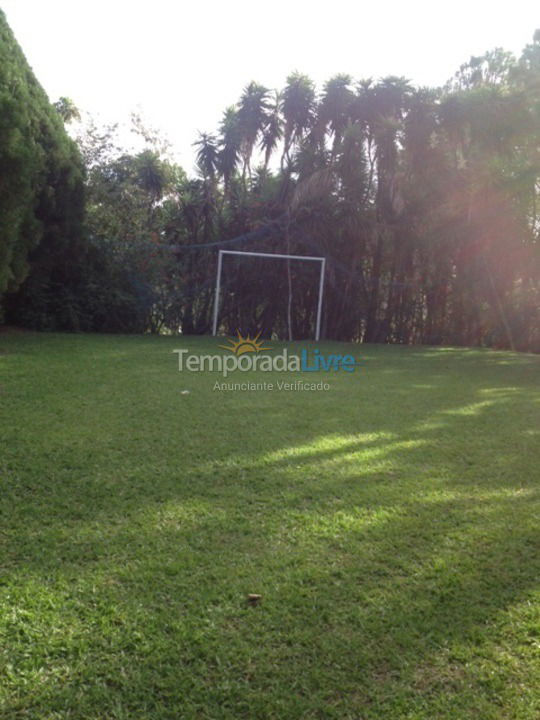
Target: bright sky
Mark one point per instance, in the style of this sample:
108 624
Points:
181 63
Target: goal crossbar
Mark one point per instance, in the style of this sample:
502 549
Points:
278 256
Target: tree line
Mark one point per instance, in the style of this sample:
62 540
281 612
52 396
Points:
423 200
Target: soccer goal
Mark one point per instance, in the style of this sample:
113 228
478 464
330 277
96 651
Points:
274 256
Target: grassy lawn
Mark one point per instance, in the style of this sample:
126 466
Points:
391 525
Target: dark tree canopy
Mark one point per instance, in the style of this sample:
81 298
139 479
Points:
41 172
424 201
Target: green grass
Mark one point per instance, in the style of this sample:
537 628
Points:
391 525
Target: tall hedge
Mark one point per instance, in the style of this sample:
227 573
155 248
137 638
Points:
41 172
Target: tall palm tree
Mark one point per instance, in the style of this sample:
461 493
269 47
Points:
230 141
207 162
272 131
253 111
390 96
298 108
207 155
335 109
388 108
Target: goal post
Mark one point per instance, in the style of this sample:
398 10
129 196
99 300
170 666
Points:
278 256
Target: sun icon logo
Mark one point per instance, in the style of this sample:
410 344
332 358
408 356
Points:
245 344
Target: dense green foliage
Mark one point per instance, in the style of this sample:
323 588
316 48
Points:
57 277
424 202
390 524
41 176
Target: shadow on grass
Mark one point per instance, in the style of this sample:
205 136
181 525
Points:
389 555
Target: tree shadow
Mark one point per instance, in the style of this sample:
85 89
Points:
389 556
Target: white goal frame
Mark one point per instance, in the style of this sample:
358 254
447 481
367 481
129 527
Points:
322 260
